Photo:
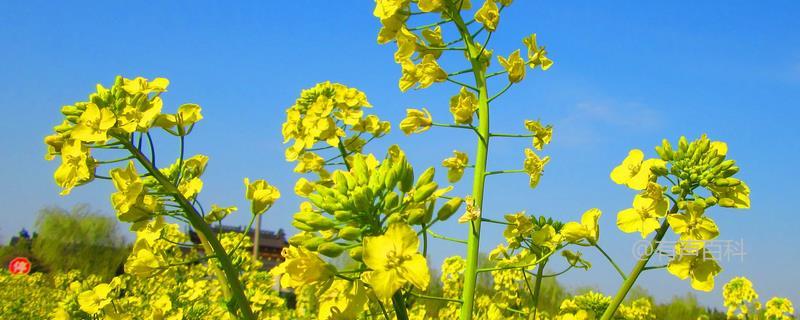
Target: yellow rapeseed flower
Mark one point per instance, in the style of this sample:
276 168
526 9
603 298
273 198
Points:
514 66
541 134
394 260
699 265
488 15
261 195
94 300
634 172
93 124
416 121
537 56
455 166
587 229
76 167
643 217
534 166
463 106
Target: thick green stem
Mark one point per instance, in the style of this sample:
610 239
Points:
537 287
640 266
473 241
197 222
399 306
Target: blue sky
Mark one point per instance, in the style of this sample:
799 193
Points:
626 75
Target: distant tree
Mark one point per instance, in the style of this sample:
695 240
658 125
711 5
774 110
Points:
79 240
20 246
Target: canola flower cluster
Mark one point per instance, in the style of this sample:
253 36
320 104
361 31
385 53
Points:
373 211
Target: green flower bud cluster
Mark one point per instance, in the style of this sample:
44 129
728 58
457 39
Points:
702 163
364 200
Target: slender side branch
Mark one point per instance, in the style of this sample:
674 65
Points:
622 274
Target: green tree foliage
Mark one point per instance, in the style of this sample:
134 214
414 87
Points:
79 239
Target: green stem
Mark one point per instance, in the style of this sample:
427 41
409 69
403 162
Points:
481 155
537 287
422 296
637 269
231 273
399 303
439 236
622 274
489 173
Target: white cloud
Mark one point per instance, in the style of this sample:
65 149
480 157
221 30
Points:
590 122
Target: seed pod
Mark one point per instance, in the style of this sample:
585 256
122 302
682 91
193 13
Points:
330 249
449 207
424 192
425 177
350 233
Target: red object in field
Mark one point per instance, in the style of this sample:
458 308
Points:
20 265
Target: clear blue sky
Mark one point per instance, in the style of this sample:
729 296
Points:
626 76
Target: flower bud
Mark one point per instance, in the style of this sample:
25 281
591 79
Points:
449 207
416 217
302 226
343 215
407 181
356 253
313 243
712 200
321 223
683 144
424 192
71 111
350 233
297 240
391 200
330 249
425 177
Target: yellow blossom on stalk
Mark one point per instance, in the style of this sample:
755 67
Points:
190 187
643 217
463 106
488 15
720 147
93 124
344 300
455 166
547 237
423 74
141 85
94 300
54 143
514 66
699 265
218 213
434 39
261 194
587 229
302 267
303 187
738 294
519 225
416 121
693 227
141 116
733 197
373 125
187 115
472 212
390 26
130 202
537 56
394 261
77 167
779 309
541 134
534 166
406 45
440 5
142 262
634 172
309 162
387 8
353 144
